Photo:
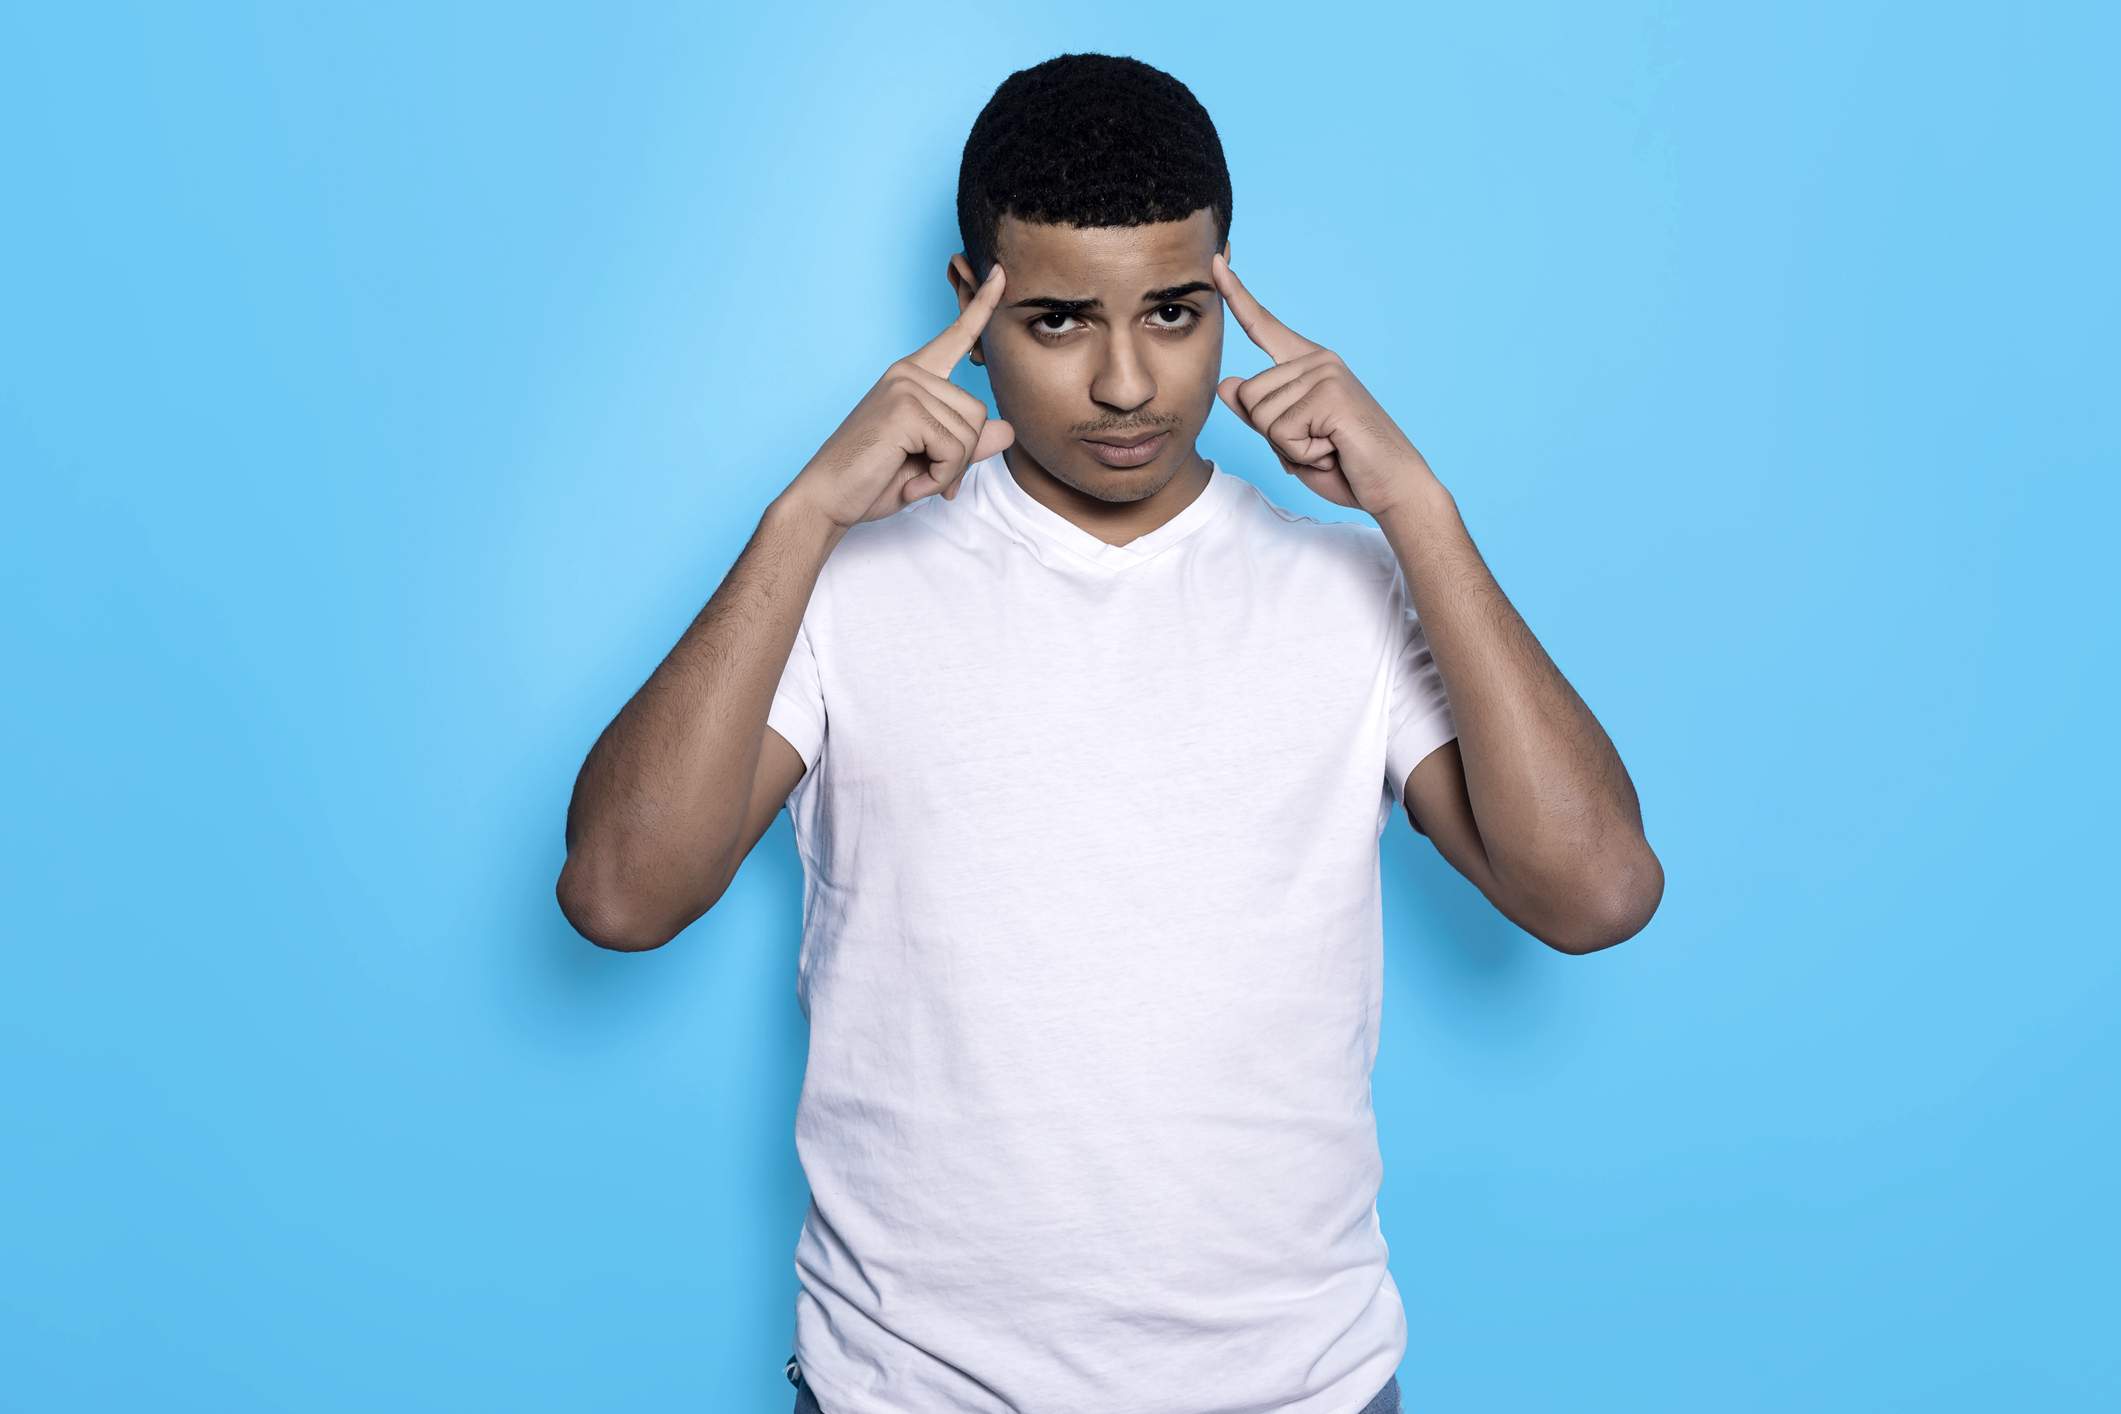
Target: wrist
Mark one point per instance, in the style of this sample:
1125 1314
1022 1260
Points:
1419 503
1408 486
794 520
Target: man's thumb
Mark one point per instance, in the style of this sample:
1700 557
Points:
994 437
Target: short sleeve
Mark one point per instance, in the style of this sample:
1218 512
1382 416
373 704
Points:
798 711
1417 711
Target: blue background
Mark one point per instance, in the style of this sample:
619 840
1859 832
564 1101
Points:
382 387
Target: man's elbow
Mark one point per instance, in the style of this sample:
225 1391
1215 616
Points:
1610 907
612 917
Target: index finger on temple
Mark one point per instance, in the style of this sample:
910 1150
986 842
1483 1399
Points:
941 353
1276 339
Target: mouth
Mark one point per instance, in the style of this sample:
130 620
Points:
1127 451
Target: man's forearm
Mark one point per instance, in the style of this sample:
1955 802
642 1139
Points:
1556 813
658 816
673 794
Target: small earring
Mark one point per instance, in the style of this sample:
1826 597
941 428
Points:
979 360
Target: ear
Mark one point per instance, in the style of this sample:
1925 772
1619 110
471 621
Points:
965 284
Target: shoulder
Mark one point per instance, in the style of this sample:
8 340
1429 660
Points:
1304 544
929 528
932 546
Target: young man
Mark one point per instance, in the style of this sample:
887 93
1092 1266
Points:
1088 747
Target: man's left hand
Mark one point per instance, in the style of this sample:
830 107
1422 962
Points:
1317 416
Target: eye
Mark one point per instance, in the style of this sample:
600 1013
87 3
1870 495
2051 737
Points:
1055 323
1172 316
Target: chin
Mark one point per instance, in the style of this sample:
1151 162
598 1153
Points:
1118 485
1135 484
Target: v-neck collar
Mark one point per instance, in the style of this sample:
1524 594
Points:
1015 507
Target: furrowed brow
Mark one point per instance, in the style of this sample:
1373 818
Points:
1176 292
1059 306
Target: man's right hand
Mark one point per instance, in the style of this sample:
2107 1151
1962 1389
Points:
913 435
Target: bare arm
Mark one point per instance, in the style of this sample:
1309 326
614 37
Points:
1531 802
687 777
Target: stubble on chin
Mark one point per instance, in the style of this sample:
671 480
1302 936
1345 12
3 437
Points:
1120 491
1115 487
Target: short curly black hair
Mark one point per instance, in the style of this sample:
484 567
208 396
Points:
1089 140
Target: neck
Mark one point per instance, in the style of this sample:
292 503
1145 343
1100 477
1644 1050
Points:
1114 522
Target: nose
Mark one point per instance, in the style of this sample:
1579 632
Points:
1122 381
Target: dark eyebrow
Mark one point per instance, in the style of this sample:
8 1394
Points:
1176 292
1084 306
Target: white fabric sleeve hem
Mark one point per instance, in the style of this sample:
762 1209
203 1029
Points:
798 727
1411 745
798 711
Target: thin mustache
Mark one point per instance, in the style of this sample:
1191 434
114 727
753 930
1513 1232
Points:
1130 422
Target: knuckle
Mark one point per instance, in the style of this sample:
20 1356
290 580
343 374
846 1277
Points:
948 436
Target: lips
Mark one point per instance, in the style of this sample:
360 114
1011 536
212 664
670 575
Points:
1118 452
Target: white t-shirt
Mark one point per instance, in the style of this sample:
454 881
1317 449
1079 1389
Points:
1091 955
